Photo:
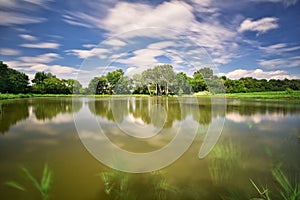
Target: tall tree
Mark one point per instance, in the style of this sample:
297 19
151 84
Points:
12 81
113 78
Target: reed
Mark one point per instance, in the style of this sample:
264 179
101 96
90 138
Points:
288 191
263 192
162 187
116 185
43 185
222 160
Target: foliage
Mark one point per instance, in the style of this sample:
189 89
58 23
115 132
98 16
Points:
12 81
223 158
47 83
116 185
159 80
263 193
162 188
43 186
288 190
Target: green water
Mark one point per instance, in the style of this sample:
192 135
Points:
257 136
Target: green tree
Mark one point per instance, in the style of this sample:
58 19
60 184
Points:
99 85
113 79
181 84
197 82
12 81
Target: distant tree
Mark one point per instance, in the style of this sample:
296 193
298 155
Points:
113 78
197 82
99 85
124 86
74 86
12 81
181 84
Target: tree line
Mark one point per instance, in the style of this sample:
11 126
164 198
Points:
160 80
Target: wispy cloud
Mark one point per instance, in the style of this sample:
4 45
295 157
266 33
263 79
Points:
261 26
279 48
280 63
284 2
160 21
81 53
89 45
28 37
73 21
114 42
43 45
43 58
9 52
14 18
31 68
259 74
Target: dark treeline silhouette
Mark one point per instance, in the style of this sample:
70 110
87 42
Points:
160 80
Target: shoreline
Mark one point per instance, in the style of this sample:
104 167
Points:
295 95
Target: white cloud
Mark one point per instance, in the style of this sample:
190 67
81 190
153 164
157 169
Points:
259 74
13 18
42 3
15 4
89 45
165 21
9 52
125 16
285 2
278 63
43 58
114 42
71 21
32 67
261 26
142 57
28 37
81 53
279 48
43 45
162 45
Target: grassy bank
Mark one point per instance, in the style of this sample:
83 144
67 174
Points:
256 95
15 96
267 95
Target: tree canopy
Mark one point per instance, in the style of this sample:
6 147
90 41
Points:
159 80
12 81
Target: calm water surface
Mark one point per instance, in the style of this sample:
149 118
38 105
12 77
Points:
257 136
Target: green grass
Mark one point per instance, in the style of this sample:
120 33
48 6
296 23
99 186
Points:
222 160
116 185
43 185
17 96
287 190
266 95
257 95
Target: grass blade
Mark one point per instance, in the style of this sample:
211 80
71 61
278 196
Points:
15 185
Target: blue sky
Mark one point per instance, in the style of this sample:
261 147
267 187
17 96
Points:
83 39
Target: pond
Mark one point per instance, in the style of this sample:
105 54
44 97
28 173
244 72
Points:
259 139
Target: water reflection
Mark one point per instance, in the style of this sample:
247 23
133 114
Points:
13 111
158 112
46 109
140 110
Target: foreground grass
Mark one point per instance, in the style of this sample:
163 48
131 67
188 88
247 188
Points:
256 95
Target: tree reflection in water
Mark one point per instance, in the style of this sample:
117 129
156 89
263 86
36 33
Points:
13 111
